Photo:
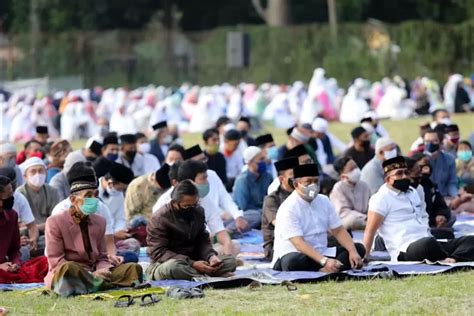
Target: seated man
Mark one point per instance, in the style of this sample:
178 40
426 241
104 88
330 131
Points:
178 243
395 212
350 195
269 150
59 181
301 231
128 155
11 269
143 192
233 156
175 153
251 187
76 248
215 160
272 202
361 152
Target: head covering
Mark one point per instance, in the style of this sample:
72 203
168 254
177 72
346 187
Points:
7 148
310 170
121 173
161 176
285 164
264 139
383 142
296 134
356 132
297 151
101 166
110 139
71 159
393 164
232 134
41 129
250 153
160 125
95 147
368 127
8 172
128 139
81 177
192 152
320 125
31 162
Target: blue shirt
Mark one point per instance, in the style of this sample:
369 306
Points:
443 173
250 190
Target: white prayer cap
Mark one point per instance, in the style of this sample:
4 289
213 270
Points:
250 153
31 162
7 148
383 142
71 159
320 125
368 127
371 114
229 126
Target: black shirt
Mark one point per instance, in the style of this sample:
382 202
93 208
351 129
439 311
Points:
217 163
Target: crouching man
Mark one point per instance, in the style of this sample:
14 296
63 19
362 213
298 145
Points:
178 243
301 231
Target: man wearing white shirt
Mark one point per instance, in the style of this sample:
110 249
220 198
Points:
128 155
150 162
396 212
301 230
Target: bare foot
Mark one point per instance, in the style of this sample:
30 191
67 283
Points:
3 311
448 260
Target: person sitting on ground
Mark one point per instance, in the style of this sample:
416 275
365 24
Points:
418 145
150 162
269 150
59 181
443 166
272 202
143 192
395 212
302 223
296 136
160 143
451 139
110 147
8 159
128 155
33 148
372 173
251 187
11 269
178 243
350 196
361 151
175 153
42 134
233 156
215 160
57 157
465 164
244 126
76 247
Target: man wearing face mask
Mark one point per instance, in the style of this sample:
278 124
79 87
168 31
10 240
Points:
273 201
443 165
301 232
251 186
76 248
178 243
150 162
41 196
451 140
372 173
395 211
244 126
270 151
110 147
128 155
160 144
440 117
215 160
350 196
361 152
233 156
8 159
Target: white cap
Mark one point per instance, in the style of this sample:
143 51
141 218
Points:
371 114
320 125
31 162
7 148
368 127
250 153
71 159
383 142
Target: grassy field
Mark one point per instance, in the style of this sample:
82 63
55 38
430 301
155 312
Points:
434 295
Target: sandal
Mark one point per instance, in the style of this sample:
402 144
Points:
122 303
290 286
148 300
254 285
196 292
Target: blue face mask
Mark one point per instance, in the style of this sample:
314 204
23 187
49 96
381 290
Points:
203 189
90 206
272 153
112 157
262 167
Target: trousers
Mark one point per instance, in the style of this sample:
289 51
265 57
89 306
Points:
460 249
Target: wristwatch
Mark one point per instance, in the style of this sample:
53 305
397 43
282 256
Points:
323 261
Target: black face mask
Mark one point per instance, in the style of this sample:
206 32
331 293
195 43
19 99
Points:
366 144
402 184
244 133
90 159
130 155
290 184
8 203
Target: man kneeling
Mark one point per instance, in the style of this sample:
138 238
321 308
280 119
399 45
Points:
178 243
302 223
76 249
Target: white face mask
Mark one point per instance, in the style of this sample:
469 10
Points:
354 175
113 192
168 139
390 154
445 121
144 148
37 180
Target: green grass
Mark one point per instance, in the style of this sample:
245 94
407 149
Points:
434 295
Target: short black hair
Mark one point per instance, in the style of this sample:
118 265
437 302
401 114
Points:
433 115
176 147
410 162
340 163
223 120
189 169
28 143
140 135
439 131
173 172
208 133
465 142
4 181
183 188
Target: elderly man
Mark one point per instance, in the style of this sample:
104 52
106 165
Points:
361 151
301 231
251 187
8 159
372 173
76 248
396 213
178 243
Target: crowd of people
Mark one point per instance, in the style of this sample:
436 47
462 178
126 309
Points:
76 219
